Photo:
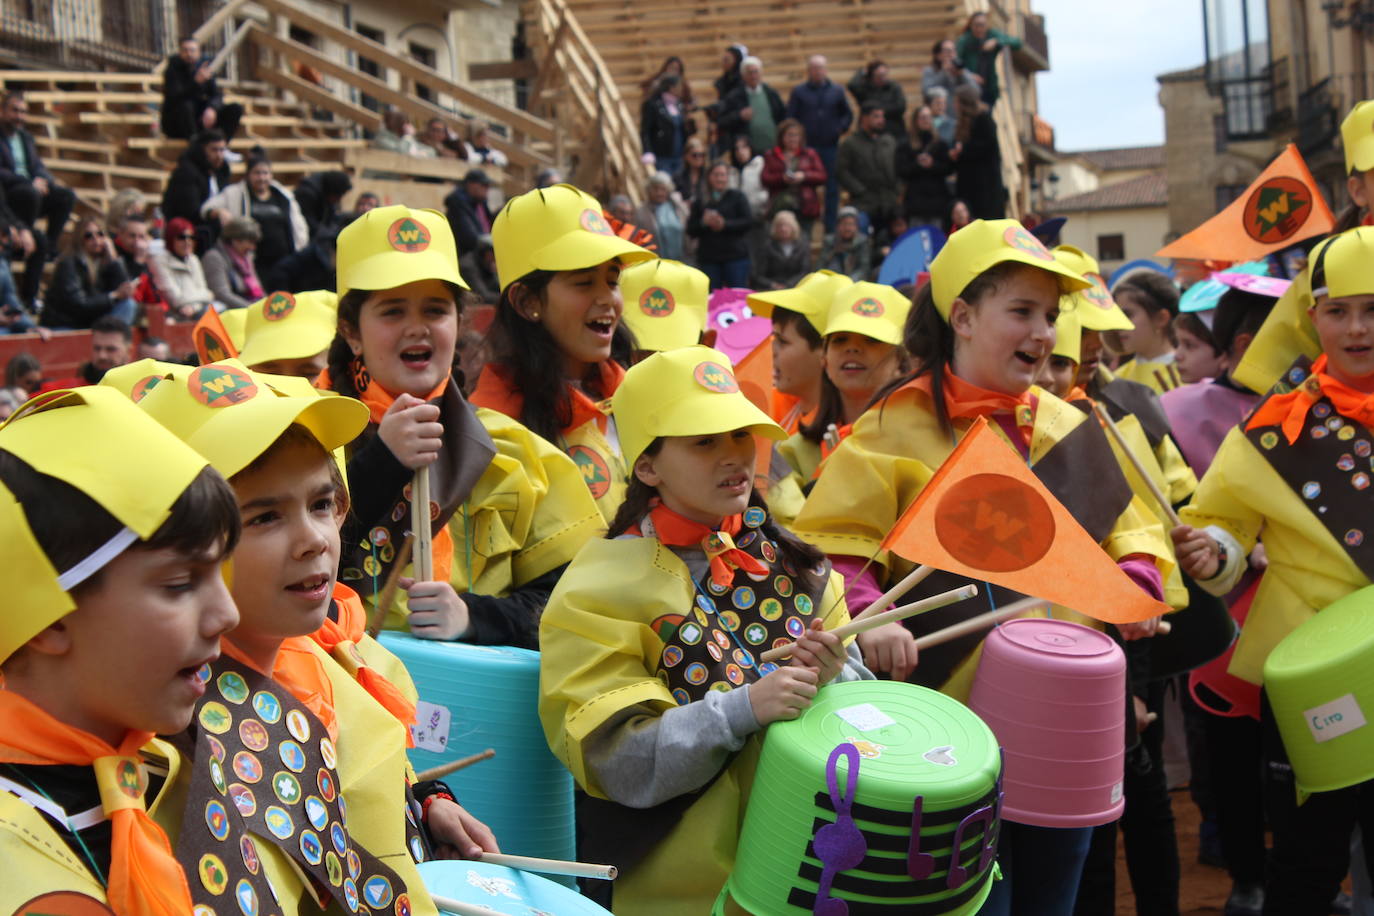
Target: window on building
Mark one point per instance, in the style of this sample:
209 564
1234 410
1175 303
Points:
1226 193
427 57
1238 65
369 66
1111 247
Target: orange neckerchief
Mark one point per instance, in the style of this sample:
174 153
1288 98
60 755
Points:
496 391
145 878
964 399
785 409
673 530
1289 410
1077 393
350 627
300 671
379 401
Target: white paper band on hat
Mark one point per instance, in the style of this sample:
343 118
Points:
98 560
1320 291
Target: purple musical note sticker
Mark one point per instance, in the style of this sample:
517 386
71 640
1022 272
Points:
841 845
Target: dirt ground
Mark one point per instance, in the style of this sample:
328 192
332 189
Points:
1202 890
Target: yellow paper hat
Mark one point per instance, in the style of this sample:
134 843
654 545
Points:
388 247
1357 136
665 303
873 309
134 379
289 326
690 391
1097 310
232 415
97 441
1068 335
1343 265
235 323
556 228
811 297
983 244
1286 334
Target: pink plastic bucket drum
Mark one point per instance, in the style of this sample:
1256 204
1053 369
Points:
1054 694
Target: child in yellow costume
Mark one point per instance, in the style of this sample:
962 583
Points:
798 315
1150 301
508 509
1297 475
290 333
978 332
558 341
112 554
650 687
276 448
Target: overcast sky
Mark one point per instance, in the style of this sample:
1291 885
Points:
1100 90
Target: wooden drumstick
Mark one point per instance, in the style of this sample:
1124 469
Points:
387 596
1139 468
855 627
454 766
551 866
420 526
910 581
981 622
457 907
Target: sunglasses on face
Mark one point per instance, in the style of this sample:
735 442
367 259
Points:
188 236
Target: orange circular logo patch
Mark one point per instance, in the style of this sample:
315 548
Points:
995 523
656 302
1017 237
211 348
408 235
1097 294
278 306
130 779
1276 210
220 386
715 377
868 307
594 222
595 474
143 386
63 903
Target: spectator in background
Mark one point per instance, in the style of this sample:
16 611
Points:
787 256
664 125
468 213
664 214
673 66
959 216
111 341
690 179
15 241
793 174
730 60
480 150
30 191
977 48
313 267
397 135
923 164
547 178
191 100
23 376
319 195
125 202
366 200
848 251
940 116
229 265
621 208
445 143
977 158
867 168
872 84
154 348
821 108
178 273
752 110
88 283
746 176
720 222
200 173
133 244
478 267
944 70
269 204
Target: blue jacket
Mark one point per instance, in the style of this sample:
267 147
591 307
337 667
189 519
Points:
823 110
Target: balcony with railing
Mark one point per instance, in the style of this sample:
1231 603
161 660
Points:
1318 116
1034 53
1037 139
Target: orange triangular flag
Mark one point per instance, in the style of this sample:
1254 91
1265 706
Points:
212 340
986 516
754 375
1281 207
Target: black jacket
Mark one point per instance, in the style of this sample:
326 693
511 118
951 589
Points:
657 128
73 301
37 169
308 269
732 125
462 217
730 243
927 187
312 196
978 171
189 186
179 86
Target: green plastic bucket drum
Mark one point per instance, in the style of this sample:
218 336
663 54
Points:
1320 683
884 797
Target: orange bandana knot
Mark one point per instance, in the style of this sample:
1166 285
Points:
1289 410
674 530
965 399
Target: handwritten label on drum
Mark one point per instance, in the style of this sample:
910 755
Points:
1331 720
430 730
865 717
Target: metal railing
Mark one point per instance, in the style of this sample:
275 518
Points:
112 35
1318 118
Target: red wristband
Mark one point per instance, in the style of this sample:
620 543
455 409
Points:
429 799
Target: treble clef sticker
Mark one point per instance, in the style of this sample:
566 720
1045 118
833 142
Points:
840 846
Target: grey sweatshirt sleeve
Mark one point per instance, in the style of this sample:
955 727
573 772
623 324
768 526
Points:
643 760
854 669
